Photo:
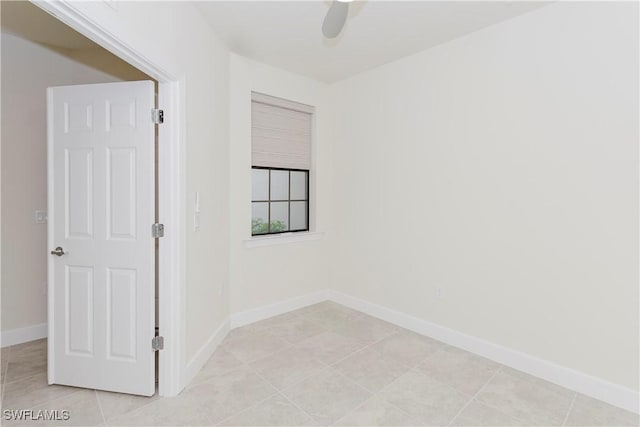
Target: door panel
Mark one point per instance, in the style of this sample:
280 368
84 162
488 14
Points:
121 314
101 207
121 193
79 320
78 176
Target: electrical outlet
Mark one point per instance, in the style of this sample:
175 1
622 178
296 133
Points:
439 293
41 217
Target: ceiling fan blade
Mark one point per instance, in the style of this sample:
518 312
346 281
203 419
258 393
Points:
335 19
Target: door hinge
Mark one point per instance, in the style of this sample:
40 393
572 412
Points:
157 116
157 343
157 230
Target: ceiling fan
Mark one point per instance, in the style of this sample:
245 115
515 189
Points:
336 18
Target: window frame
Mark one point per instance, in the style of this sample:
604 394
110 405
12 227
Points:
288 200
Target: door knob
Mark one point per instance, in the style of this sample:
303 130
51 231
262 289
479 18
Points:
58 251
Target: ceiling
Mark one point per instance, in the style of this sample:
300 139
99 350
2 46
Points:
30 22
287 34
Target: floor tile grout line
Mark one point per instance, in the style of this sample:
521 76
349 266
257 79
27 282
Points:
300 316
193 384
573 401
287 397
318 372
374 394
211 423
396 332
355 409
269 328
411 416
138 409
359 316
362 348
353 353
44 402
380 392
327 328
344 357
332 366
371 393
355 383
474 396
497 408
299 407
4 376
277 391
534 382
24 378
245 409
420 373
104 419
537 381
10 350
324 365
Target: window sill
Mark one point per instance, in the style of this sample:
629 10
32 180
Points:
281 239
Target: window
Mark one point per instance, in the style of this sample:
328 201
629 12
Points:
280 200
280 156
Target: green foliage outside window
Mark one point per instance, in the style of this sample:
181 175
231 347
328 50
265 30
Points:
258 226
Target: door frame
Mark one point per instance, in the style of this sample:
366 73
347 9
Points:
171 187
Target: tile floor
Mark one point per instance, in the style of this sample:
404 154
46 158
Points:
321 365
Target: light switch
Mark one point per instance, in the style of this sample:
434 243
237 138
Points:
41 217
196 221
197 205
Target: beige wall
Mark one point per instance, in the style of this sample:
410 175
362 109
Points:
502 167
265 275
28 69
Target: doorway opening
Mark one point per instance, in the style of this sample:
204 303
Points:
39 51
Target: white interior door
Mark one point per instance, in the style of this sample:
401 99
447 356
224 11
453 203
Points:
101 208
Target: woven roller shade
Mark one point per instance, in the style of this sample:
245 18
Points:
280 133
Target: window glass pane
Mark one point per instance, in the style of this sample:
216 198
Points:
279 216
259 217
298 185
259 184
279 185
298 216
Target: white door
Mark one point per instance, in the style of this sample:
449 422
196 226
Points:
101 152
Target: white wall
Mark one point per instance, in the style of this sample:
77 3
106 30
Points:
502 167
265 275
28 69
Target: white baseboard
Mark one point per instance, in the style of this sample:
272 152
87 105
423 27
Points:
204 353
255 315
20 335
597 388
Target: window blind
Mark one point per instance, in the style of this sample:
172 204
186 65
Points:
280 133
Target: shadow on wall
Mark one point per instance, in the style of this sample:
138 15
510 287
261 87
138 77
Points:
27 21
